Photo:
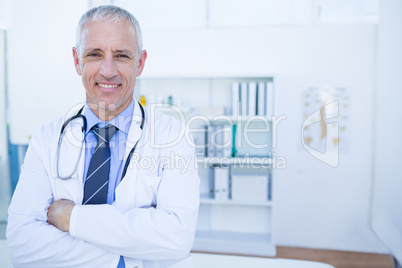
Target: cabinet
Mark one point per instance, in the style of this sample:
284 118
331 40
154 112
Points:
236 212
234 226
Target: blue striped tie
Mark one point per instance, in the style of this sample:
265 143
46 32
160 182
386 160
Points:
97 180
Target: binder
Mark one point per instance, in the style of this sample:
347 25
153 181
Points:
261 99
200 141
219 141
227 141
250 188
235 98
217 137
221 183
252 98
210 150
269 105
243 98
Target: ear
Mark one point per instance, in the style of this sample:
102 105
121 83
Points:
141 62
76 61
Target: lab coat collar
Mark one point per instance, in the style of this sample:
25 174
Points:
122 121
135 131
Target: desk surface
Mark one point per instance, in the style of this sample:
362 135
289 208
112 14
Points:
202 260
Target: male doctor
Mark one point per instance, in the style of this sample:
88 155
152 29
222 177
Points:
115 209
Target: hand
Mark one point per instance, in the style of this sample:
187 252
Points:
59 214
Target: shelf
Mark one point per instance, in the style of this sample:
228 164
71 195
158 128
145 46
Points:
237 118
262 161
240 226
234 242
210 201
225 119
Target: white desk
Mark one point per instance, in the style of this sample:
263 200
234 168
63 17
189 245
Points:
202 260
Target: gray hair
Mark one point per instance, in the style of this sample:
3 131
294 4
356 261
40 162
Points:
115 15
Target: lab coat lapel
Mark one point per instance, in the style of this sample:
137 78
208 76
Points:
125 197
71 143
135 131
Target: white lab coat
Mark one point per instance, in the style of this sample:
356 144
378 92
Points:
151 223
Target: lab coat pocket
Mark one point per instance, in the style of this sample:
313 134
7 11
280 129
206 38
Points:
68 189
125 191
147 188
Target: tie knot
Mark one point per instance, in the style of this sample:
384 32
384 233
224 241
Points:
104 134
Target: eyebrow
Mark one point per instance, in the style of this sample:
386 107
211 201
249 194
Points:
123 51
116 51
92 50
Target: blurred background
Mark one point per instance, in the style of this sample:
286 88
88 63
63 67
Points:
345 51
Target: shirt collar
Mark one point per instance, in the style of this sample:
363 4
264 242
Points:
122 121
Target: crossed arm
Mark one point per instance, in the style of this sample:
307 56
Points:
59 214
158 233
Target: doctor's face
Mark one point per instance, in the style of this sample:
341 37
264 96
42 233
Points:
109 65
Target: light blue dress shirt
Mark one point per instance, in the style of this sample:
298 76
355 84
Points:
117 147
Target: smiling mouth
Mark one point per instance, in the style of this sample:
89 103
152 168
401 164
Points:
107 86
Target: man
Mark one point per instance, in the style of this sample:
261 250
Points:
104 208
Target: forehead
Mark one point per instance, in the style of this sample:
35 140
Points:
106 34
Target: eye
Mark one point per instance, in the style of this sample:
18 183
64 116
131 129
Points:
93 55
123 56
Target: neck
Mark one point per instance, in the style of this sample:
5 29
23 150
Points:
103 114
106 114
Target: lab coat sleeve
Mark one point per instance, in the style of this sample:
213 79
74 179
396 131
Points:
31 240
162 233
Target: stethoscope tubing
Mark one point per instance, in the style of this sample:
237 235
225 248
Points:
84 129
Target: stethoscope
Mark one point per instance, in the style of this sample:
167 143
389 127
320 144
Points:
79 115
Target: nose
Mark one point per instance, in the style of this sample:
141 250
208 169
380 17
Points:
108 68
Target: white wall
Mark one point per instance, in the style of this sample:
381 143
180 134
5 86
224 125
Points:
317 206
43 84
196 14
387 198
